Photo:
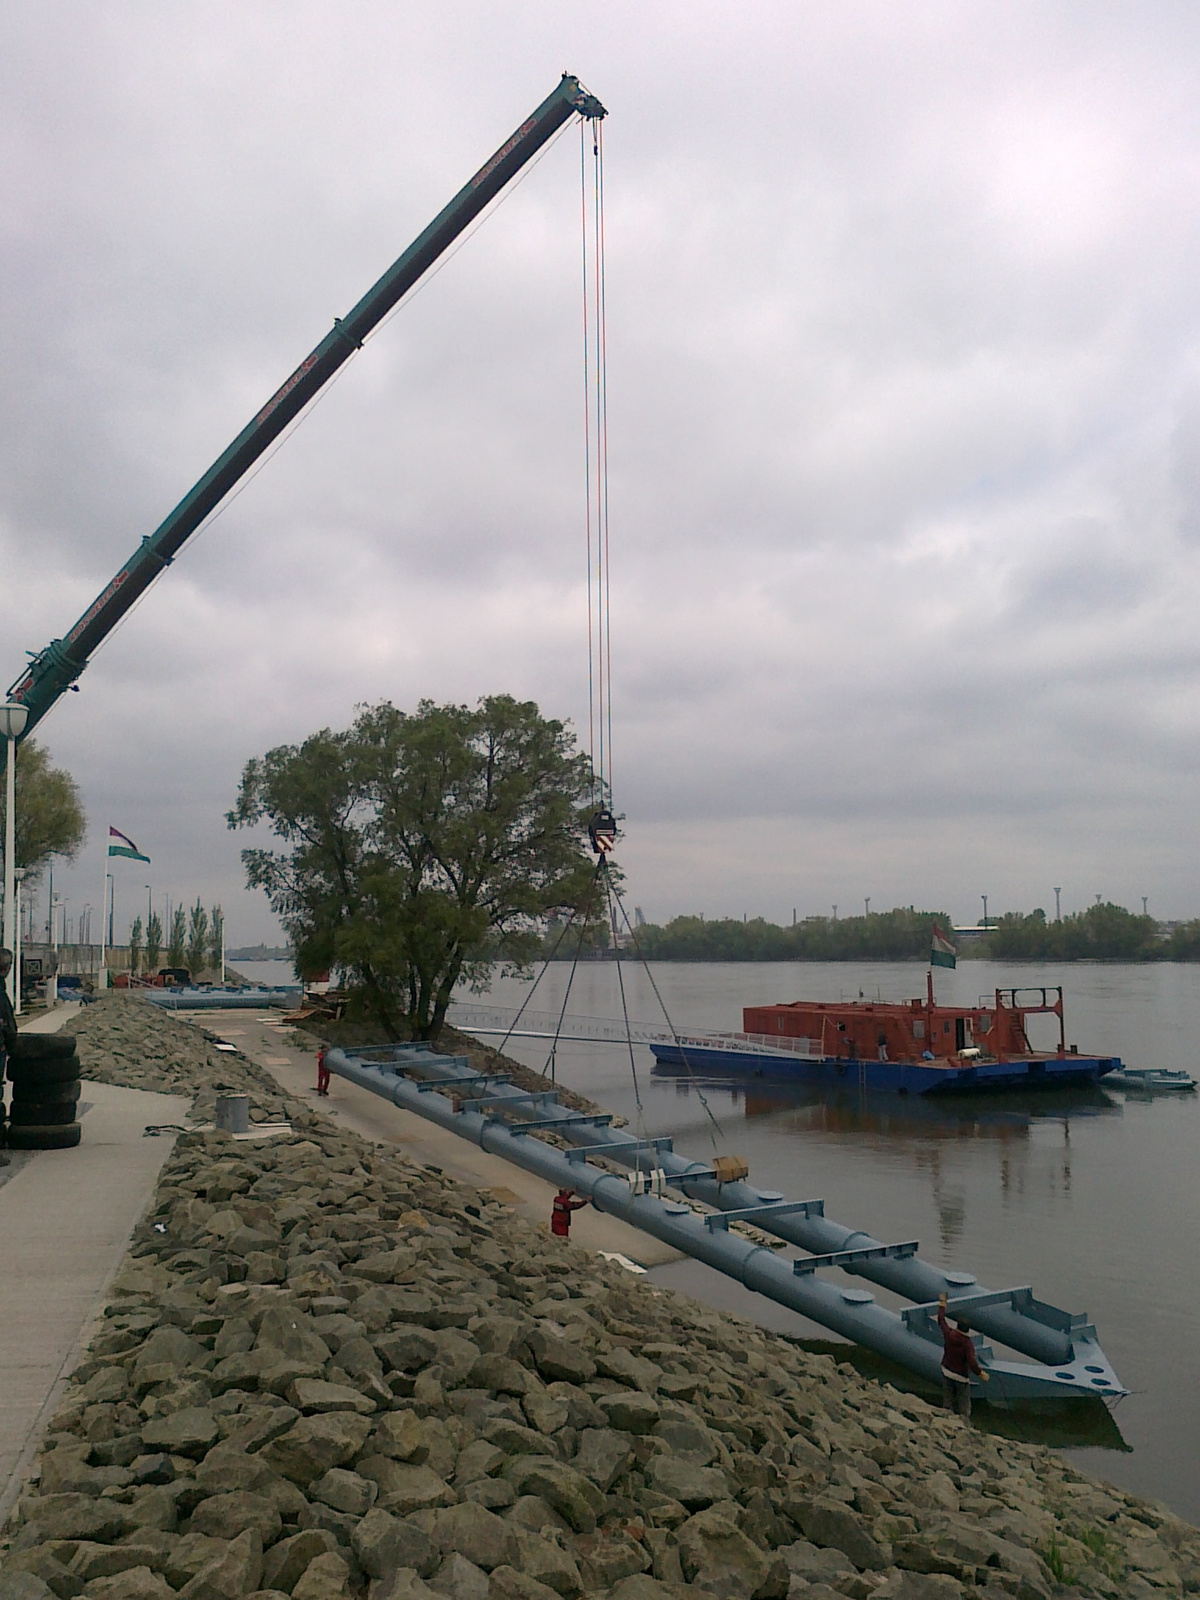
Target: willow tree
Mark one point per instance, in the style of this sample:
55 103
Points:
48 819
416 849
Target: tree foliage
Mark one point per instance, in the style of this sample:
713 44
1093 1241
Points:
197 939
154 938
135 945
49 818
177 938
903 934
419 845
216 938
1101 933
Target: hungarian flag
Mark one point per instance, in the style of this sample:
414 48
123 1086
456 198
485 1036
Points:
120 845
943 953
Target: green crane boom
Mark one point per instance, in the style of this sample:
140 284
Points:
54 670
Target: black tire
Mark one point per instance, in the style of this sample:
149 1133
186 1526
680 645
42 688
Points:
36 1092
43 1046
32 1075
39 1114
64 1137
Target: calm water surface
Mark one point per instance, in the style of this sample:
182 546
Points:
1091 1199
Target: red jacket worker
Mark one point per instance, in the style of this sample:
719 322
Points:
959 1361
322 1072
560 1218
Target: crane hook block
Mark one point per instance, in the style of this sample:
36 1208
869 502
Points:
602 831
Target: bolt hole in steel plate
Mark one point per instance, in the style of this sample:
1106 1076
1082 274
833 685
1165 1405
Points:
1101 1383
857 1297
1093 1369
1064 1375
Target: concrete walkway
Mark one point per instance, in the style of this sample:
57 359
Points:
65 1221
273 1045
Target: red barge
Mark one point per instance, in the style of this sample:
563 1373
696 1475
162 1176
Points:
916 1047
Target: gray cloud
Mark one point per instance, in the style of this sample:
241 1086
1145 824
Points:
903 351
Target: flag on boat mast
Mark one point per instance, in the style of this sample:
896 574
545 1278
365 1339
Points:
943 953
119 844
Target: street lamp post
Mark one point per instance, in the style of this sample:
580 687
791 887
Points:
18 880
13 718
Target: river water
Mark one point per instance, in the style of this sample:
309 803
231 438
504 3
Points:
1090 1197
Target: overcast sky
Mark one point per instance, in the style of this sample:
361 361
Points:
904 422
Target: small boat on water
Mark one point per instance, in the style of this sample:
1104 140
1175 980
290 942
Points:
1156 1078
915 1047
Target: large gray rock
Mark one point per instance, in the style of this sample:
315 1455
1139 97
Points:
688 1440
135 1583
827 1522
608 1556
549 1563
460 1579
224 1516
403 1583
484 1538
718 1557
291 1334
285 1562
693 1486
314 1395
236 1572
509 1584
327 1577
190 1432
603 1455
17 1585
407 1349
75 1516
557 1358
576 1499
345 1491
384 1543
65 1582
314 1444
404 1488
166 1353
630 1411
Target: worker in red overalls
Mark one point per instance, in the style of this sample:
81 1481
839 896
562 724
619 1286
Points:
560 1217
322 1072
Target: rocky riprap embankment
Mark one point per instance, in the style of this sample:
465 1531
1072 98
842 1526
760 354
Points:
125 1040
326 1372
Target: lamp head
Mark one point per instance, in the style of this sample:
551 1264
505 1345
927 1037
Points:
13 717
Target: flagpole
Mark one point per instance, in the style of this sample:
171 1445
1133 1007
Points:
102 975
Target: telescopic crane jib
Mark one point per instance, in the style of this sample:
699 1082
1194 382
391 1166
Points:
54 670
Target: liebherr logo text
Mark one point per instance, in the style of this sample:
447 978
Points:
97 605
301 371
501 153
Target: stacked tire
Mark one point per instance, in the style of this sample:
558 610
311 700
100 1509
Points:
43 1070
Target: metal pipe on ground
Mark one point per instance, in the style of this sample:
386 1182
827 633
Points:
850 1312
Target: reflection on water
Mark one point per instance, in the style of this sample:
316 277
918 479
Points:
1089 1196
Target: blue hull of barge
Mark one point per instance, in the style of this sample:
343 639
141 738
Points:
898 1077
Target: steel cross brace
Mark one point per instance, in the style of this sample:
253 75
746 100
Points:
424 1085
756 1214
602 1119
581 1152
847 1258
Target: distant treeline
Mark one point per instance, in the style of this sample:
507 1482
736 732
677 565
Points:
1101 933
260 952
903 934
